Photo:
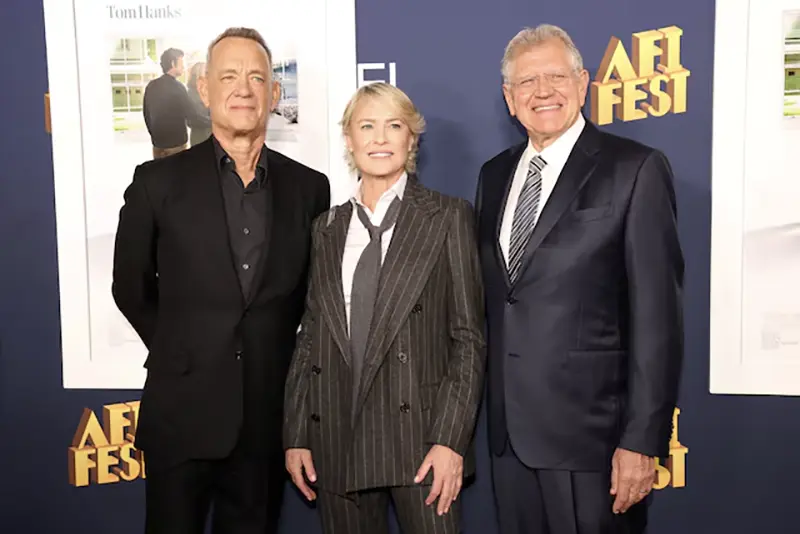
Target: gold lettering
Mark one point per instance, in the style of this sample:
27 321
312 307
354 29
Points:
115 422
89 430
676 89
663 476
81 465
105 454
673 473
140 458
645 51
664 80
603 101
661 101
105 461
615 60
676 463
672 49
131 469
630 95
674 442
134 406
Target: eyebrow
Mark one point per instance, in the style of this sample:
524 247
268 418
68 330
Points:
395 119
235 71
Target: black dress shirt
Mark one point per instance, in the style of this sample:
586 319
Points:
246 212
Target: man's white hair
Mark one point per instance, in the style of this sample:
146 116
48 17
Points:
531 37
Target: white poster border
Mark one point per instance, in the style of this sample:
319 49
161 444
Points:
329 27
736 58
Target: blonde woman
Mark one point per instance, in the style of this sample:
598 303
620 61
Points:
384 386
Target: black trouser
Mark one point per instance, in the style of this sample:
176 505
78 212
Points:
245 491
545 501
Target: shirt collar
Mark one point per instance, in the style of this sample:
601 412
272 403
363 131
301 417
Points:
224 162
558 152
397 190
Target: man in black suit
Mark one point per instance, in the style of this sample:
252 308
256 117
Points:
167 108
583 274
210 268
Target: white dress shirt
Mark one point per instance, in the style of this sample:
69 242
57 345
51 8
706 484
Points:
358 236
556 156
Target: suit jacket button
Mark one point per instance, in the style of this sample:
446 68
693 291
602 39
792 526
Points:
417 308
315 417
315 370
239 354
511 300
405 408
403 357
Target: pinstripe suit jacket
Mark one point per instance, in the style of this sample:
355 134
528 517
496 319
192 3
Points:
424 362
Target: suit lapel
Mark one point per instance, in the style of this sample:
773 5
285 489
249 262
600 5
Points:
580 164
505 184
330 294
413 251
204 185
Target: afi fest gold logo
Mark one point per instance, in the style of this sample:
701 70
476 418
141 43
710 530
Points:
640 88
673 472
104 454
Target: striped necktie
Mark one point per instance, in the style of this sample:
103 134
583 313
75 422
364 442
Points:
525 215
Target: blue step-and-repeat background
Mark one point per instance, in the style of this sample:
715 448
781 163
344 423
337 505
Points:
735 466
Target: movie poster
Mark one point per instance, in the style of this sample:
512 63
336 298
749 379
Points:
101 58
755 301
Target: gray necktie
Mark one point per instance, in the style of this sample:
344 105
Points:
525 216
365 289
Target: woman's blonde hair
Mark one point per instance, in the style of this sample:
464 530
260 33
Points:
408 113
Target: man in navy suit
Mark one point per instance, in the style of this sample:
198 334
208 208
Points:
583 273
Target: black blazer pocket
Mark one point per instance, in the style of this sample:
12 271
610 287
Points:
592 214
174 363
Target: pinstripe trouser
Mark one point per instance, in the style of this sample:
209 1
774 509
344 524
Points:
369 512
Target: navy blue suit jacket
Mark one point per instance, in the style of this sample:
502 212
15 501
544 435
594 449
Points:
585 349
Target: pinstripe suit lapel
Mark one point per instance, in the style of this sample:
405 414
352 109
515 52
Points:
331 296
415 246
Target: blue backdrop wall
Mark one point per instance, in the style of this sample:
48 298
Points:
742 462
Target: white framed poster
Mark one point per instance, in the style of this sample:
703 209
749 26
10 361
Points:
100 57
755 245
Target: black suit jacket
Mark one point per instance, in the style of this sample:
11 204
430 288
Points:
585 349
217 361
424 363
167 109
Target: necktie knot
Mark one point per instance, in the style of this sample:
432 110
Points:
537 163
388 221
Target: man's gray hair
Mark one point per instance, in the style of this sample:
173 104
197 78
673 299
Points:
244 33
531 37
